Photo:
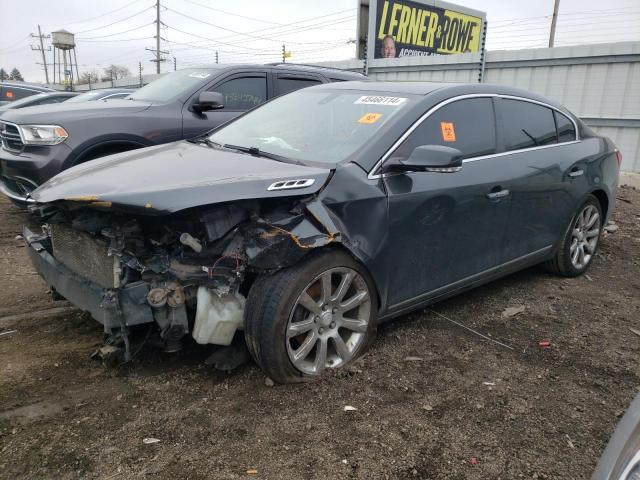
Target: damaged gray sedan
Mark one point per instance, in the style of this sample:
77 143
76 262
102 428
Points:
299 226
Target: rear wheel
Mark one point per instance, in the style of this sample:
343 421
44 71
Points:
317 315
580 241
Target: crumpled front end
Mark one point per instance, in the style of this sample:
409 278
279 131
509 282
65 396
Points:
187 273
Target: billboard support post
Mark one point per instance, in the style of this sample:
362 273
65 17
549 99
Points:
483 53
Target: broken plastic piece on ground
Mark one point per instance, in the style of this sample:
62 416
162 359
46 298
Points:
513 311
634 331
150 440
474 461
544 344
413 359
252 471
349 408
8 333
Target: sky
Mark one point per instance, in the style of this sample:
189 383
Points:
118 31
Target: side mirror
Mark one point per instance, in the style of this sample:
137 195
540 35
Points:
430 158
209 101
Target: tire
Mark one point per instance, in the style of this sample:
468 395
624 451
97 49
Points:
280 305
579 233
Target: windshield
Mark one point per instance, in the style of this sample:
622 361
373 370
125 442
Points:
314 125
86 97
173 85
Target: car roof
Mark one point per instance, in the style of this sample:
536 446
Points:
26 85
443 89
334 73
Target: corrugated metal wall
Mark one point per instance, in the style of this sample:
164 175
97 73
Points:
599 83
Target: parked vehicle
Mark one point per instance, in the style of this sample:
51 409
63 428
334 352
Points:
12 91
39 143
45 98
314 217
103 94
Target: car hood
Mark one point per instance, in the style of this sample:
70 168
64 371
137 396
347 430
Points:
171 177
60 113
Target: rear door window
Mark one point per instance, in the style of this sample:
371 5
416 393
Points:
243 93
526 124
566 128
468 125
286 83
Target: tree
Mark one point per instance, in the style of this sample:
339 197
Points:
3 75
91 76
116 71
16 75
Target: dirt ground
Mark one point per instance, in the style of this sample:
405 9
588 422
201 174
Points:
433 400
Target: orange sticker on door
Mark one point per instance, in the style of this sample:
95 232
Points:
448 131
370 118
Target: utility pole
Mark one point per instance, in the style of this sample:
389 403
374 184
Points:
284 57
158 36
157 50
140 73
174 64
554 19
41 48
216 56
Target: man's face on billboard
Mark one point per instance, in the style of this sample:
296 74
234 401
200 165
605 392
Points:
388 48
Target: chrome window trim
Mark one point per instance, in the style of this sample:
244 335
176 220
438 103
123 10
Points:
372 175
122 94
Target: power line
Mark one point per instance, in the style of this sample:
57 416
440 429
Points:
118 21
246 34
117 33
104 14
236 14
296 24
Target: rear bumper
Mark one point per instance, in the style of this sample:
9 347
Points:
87 295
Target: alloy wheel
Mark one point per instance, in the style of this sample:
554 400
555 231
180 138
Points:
584 237
329 321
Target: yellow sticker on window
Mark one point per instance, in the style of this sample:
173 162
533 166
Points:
370 118
448 131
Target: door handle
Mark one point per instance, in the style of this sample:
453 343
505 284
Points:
497 195
576 172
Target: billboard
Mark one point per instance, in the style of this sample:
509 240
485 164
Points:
405 28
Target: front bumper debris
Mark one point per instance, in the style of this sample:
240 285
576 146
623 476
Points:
87 295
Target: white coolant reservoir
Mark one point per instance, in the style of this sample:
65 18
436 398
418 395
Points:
217 317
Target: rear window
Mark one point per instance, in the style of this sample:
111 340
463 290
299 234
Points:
527 124
286 85
566 128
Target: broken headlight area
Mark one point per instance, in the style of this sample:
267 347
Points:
186 273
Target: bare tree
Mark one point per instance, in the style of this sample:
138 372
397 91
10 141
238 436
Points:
116 71
90 76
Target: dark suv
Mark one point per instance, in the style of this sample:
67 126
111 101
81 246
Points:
40 142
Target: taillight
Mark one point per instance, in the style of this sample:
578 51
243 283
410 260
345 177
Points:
618 157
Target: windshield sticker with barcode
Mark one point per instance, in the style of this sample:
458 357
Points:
380 100
201 75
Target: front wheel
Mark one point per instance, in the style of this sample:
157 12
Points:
316 315
580 241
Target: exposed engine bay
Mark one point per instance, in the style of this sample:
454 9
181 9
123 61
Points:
187 272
